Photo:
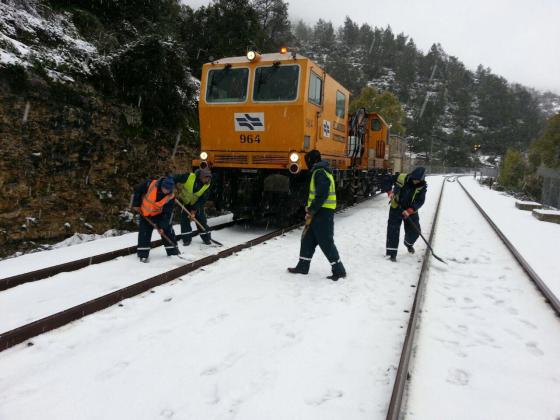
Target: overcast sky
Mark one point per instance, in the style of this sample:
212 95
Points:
517 39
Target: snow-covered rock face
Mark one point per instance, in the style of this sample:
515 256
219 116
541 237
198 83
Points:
31 33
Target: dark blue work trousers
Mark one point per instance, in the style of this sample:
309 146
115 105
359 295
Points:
145 237
394 230
186 228
320 232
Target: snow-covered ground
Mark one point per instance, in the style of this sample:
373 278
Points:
59 255
488 346
536 240
244 339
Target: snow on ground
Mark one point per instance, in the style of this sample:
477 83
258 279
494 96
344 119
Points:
54 294
240 339
38 260
244 339
488 346
536 240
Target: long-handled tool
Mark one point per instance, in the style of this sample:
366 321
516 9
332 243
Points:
161 232
306 227
200 226
422 236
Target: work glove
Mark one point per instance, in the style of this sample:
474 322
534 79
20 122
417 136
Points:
390 194
308 215
193 215
406 213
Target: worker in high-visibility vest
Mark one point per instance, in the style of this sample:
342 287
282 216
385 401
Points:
407 193
153 200
319 215
193 191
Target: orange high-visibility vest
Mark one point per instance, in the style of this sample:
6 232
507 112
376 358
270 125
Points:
151 207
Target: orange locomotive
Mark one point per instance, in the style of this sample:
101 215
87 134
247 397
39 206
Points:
259 115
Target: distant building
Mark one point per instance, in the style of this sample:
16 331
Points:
399 158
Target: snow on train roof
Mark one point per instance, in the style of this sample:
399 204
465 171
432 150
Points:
264 57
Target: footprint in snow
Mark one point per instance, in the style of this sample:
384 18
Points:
458 377
529 324
534 348
167 413
228 362
329 394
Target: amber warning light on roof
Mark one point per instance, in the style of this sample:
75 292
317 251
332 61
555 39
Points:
283 50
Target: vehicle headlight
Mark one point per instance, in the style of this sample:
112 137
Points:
251 55
294 157
203 155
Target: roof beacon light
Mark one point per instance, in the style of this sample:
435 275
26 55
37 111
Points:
253 56
204 156
283 50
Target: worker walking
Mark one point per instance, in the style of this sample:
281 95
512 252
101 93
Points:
193 191
407 193
153 200
319 216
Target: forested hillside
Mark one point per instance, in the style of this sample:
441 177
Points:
97 95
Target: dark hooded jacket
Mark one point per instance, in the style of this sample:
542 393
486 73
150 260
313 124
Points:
322 186
410 195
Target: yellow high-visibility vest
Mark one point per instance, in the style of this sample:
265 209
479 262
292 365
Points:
330 202
400 182
187 194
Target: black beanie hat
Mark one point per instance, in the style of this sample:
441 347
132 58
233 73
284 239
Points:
312 157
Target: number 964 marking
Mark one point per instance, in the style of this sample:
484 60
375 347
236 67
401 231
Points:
249 138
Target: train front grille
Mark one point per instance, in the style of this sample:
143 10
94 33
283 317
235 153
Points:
268 159
241 159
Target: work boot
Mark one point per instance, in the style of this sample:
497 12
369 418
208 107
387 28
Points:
393 258
143 259
187 240
206 240
338 272
410 248
302 267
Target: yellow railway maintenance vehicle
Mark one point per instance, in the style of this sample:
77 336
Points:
260 114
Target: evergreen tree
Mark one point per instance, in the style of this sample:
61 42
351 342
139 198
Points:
513 170
302 32
546 149
225 28
349 33
273 19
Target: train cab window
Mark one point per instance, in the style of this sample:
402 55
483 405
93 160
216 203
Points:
227 85
340 104
315 89
276 83
375 125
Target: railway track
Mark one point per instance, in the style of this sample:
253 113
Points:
25 332
402 375
539 283
43 273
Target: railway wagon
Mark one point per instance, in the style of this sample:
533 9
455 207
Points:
260 114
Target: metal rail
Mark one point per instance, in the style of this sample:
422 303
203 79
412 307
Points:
18 335
402 371
541 285
43 273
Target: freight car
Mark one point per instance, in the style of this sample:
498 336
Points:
260 114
